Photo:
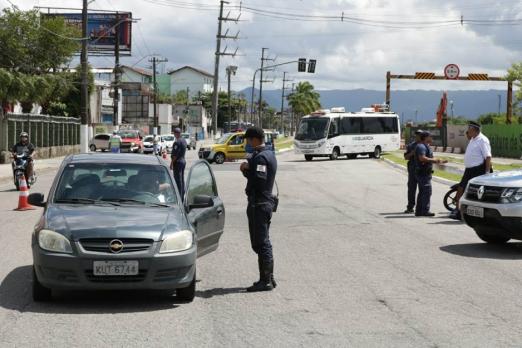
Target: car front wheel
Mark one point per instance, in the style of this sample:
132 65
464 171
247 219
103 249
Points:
220 158
491 238
92 148
40 292
187 294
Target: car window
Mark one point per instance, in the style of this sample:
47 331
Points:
168 138
148 139
201 182
116 181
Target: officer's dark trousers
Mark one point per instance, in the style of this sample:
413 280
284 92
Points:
179 176
424 196
259 218
412 187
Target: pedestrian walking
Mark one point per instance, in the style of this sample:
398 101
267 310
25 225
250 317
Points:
260 171
115 142
423 173
409 155
178 161
477 161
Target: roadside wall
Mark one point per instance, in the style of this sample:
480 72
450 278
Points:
457 137
506 140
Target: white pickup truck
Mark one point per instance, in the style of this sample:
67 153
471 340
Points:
492 206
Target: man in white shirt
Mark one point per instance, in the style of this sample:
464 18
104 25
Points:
477 161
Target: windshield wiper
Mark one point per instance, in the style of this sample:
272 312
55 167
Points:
130 200
84 201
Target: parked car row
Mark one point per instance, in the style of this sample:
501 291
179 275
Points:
133 141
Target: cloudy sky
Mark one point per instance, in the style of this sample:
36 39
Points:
403 36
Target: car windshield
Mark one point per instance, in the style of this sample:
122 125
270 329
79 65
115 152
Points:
123 183
224 138
168 137
127 134
312 129
185 135
148 138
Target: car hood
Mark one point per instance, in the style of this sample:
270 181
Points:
97 221
512 178
130 140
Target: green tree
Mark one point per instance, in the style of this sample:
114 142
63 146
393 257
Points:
305 99
514 74
181 97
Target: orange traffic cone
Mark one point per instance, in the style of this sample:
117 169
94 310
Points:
23 203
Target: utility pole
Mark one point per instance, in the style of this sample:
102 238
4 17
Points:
117 74
231 70
219 37
292 114
283 102
260 107
187 107
84 93
155 61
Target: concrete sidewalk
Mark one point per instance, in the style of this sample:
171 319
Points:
42 165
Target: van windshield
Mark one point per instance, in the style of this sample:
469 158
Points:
312 128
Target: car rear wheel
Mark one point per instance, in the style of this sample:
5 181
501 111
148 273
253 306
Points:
491 238
219 158
187 294
40 292
309 157
92 148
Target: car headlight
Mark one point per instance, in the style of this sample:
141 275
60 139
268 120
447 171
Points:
512 195
178 241
52 241
321 143
133 144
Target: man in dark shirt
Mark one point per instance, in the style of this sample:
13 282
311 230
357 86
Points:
423 172
412 181
178 161
24 147
260 170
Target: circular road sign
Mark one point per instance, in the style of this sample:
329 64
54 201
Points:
452 71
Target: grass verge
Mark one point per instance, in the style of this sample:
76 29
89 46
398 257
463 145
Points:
439 173
284 143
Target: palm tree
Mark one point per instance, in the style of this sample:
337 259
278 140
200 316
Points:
304 99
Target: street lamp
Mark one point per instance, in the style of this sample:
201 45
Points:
451 106
231 70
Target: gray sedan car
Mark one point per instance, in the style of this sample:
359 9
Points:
117 222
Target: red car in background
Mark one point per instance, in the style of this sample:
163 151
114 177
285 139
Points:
131 141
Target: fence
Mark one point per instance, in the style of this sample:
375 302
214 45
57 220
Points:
44 131
506 140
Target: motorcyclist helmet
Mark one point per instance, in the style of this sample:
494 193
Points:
24 137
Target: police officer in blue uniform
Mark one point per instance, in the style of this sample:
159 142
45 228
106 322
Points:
409 155
423 173
178 161
260 170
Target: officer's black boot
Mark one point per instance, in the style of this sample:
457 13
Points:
260 267
265 284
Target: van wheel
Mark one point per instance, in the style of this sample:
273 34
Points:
309 157
187 294
490 238
335 154
40 292
376 153
92 148
219 158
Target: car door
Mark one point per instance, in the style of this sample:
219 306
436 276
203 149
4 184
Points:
236 147
209 221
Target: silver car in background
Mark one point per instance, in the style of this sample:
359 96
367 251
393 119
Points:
190 139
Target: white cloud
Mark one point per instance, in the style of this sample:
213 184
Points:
348 55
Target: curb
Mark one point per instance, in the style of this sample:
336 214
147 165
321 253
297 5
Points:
404 169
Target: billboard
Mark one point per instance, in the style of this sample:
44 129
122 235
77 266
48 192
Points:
101 29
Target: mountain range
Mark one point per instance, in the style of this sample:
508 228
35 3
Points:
410 105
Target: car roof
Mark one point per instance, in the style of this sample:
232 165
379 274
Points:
114 158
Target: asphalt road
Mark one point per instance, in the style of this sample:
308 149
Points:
352 271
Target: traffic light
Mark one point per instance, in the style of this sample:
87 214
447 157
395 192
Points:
311 66
301 65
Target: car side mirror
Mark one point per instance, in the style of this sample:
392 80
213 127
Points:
36 199
201 201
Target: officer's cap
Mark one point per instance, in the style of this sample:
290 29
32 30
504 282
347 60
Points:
177 130
425 134
473 124
419 132
255 132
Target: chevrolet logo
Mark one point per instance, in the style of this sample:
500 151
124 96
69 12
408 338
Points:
116 246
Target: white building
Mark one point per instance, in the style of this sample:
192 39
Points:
196 80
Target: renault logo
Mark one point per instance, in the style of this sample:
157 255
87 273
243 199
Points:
116 246
480 192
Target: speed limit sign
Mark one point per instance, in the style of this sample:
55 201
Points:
452 71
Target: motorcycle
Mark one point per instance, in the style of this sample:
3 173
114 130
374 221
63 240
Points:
19 165
449 198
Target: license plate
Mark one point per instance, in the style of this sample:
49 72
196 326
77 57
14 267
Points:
475 211
115 268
